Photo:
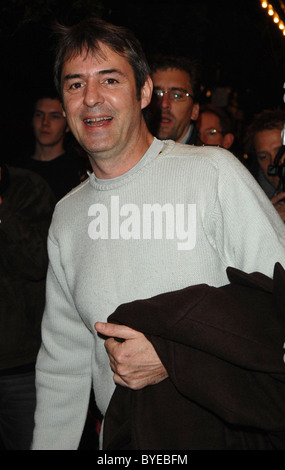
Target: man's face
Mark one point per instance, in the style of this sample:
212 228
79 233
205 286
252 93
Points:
101 105
267 144
172 119
210 131
49 124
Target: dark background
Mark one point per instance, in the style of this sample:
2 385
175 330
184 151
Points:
238 47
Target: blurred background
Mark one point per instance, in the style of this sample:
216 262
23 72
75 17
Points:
239 47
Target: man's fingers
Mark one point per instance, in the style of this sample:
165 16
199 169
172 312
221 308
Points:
116 331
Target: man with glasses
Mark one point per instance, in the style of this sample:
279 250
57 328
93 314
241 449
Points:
214 127
174 106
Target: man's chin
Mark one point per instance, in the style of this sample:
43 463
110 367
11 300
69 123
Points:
164 135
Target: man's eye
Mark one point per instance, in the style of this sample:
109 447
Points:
111 81
262 157
76 85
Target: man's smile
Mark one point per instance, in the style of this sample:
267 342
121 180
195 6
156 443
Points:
97 121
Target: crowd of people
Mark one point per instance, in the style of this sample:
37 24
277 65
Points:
104 274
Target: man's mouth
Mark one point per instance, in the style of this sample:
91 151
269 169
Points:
95 122
165 119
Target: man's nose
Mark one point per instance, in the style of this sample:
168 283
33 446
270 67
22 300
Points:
45 120
165 102
93 94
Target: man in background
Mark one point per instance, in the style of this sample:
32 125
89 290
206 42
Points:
214 127
61 166
174 107
262 142
26 206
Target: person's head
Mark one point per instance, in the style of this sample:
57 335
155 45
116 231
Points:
175 98
103 77
48 122
263 139
88 36
214 126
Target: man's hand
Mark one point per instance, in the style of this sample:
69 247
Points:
279 204
134 361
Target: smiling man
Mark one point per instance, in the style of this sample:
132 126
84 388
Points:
100 98
105 249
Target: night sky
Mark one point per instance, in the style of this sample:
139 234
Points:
235 43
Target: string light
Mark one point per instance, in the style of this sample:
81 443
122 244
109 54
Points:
274 15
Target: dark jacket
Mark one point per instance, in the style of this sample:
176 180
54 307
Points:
25 215
223 349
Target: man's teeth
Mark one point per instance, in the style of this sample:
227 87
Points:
90 120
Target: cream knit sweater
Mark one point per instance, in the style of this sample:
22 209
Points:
178 218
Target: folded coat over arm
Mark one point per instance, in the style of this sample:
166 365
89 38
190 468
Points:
223 349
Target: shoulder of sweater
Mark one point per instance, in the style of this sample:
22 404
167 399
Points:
214 157
210 155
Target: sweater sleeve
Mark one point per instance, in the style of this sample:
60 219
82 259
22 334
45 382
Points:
63 370
243 225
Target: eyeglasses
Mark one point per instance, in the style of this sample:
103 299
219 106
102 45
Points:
208 137
211 133
174 95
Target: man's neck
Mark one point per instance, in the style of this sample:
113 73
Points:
105 167
47 153
186 135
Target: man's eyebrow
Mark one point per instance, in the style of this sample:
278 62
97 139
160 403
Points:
72 76
104 72
38 110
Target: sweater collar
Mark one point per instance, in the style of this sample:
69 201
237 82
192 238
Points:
152 152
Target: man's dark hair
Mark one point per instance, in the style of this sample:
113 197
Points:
45 93
87 35
224 118
162 62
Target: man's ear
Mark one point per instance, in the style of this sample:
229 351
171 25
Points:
228 140
146 92
195 112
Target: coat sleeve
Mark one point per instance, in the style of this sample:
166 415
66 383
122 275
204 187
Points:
25 216
223 348
237 395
